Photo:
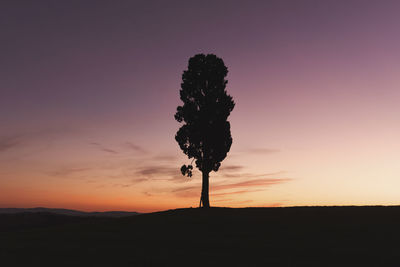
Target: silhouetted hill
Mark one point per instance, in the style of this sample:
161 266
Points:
300 236
67 212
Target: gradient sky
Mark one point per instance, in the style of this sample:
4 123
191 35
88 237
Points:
88 90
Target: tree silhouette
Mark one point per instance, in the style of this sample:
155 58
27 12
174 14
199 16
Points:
205 135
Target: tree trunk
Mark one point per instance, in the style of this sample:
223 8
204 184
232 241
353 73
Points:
204 191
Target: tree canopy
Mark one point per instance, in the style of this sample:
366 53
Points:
205 135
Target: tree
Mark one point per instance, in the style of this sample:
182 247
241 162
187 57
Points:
205 135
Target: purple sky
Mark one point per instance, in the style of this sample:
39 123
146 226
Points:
88 90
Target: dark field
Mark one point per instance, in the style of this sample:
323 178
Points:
301 236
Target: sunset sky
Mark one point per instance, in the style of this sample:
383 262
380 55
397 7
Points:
88 92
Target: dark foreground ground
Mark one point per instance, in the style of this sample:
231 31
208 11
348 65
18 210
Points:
310 236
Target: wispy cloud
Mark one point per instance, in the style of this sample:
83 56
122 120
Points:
9 142
31 142
127 145
109 150
263 150
139 180
122 185
165 157
251 175
102 148
160 172
65 172
235 192
189 193
153 170
222 200
147 194
242 187
251 183
134 147
186 188
231 168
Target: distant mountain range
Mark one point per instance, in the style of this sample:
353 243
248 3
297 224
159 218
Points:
67 212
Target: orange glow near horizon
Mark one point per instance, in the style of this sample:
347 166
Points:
87 104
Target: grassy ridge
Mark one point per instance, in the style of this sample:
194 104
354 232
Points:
301 236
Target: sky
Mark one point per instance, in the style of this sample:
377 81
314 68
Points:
88 92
